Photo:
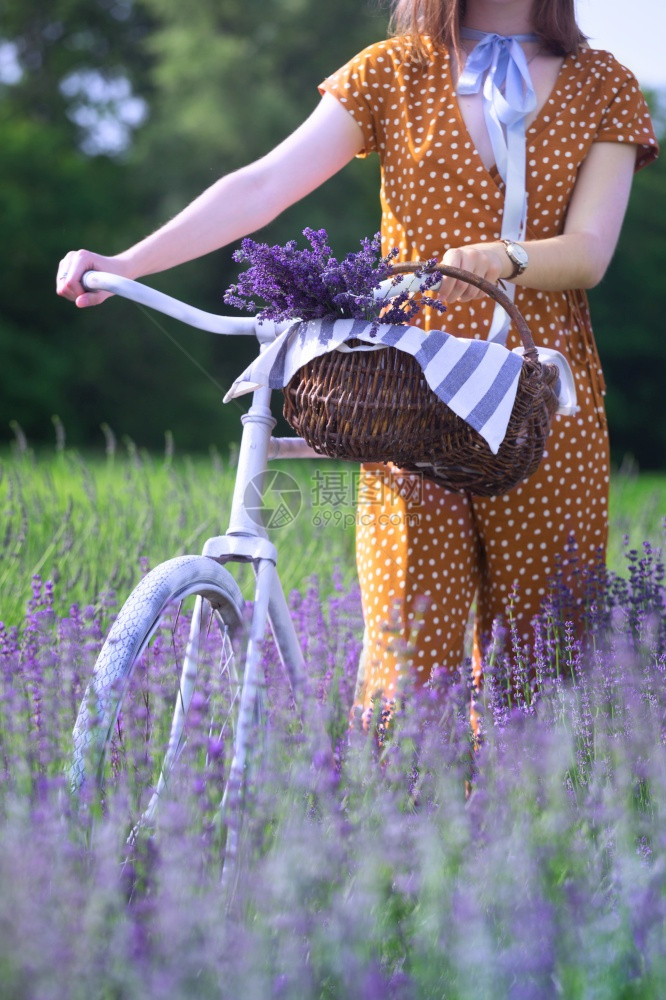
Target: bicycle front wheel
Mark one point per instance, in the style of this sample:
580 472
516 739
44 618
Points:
166 687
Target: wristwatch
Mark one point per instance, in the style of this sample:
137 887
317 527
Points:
518 257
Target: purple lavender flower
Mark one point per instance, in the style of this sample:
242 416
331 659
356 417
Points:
386 880
312 284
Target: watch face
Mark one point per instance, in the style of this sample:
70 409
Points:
520 254
517 255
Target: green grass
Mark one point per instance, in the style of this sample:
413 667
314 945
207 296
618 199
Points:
637 512
92 523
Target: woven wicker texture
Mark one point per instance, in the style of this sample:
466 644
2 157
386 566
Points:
376 406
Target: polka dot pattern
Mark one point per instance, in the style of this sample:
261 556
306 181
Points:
424 554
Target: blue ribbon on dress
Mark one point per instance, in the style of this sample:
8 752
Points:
497 67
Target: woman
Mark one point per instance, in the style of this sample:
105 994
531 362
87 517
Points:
537 202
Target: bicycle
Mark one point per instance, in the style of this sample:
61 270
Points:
218 613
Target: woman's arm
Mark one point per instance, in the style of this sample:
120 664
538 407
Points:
579 257
234 206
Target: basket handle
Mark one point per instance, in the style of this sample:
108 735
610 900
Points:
409 267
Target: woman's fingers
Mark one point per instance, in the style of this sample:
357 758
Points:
70 271
483 261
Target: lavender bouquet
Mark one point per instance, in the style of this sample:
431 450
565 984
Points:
311 283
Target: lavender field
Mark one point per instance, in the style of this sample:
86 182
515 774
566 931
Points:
413 865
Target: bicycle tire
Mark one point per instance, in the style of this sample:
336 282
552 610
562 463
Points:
148 615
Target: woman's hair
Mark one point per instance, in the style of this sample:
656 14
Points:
554 23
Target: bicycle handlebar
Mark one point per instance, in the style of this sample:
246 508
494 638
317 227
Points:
143 295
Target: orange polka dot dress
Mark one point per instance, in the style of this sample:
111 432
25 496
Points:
424 554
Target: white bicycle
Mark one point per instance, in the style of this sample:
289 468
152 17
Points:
212 633
215 643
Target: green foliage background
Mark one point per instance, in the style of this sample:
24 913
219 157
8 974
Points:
221 83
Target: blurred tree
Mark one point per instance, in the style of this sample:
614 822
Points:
231 81
70 64
106 365
74 80
68 76
628 310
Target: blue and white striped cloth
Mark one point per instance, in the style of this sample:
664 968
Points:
477 379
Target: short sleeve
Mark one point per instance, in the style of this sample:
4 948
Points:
361 87
626 117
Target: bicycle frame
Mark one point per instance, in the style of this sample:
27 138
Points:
245 540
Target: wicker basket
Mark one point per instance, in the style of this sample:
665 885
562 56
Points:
376 406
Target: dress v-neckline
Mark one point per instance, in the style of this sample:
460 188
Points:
533 129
